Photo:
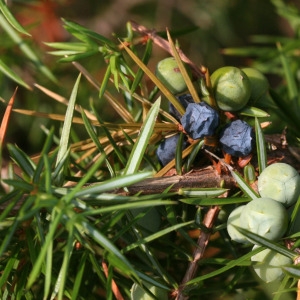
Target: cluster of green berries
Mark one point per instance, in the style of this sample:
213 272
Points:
279 188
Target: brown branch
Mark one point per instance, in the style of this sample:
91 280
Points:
199 178
203 239
114 286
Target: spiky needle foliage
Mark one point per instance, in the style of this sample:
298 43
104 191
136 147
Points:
72 226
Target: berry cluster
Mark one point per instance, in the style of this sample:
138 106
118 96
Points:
232 89
279 188
278 184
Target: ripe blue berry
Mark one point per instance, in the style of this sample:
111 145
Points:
200 120
167 149
184 99
237 138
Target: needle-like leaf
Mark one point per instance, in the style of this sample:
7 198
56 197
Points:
141 143
65 135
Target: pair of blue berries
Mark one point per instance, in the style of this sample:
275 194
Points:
200 120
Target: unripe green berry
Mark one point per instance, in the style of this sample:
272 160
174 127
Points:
268 264
259 83
231 88
234 220
137 293
168 72
223 215
265 217
260 96
280 182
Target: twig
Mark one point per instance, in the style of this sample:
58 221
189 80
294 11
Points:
208 222
203 239
164 44
198 178
114 286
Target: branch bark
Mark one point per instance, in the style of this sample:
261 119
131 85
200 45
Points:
202 243
198 178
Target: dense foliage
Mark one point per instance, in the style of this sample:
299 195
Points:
145 186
